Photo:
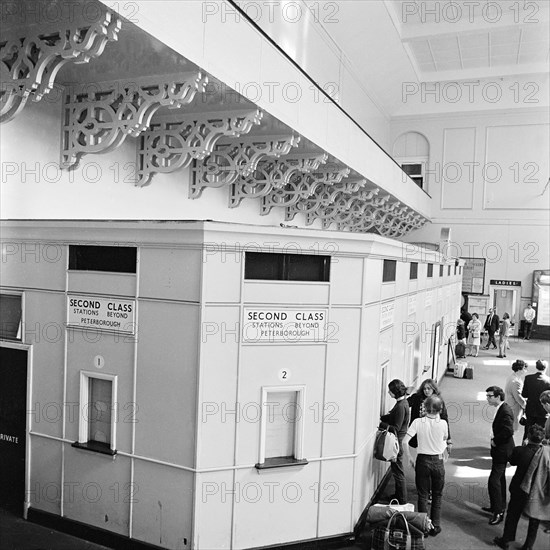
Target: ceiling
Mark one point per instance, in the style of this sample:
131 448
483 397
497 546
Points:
461 39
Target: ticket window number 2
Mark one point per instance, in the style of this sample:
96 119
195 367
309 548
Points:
284 374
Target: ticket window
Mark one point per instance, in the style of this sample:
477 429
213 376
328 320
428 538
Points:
282 427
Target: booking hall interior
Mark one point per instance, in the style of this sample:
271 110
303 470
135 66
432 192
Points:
226 226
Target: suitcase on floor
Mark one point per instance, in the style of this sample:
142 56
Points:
460 350
469 373
459 368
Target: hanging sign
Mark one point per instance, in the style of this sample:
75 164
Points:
101 313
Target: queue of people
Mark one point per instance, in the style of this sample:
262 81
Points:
420 420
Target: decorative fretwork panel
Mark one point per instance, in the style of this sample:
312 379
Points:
273 174
173 143
302 186
236 158
326 195
97 118
30 62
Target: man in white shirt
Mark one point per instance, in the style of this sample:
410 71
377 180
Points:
434 445
529 316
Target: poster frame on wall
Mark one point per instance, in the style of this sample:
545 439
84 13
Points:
475 283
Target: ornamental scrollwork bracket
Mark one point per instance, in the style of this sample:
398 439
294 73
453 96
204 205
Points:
98 117
235 158
302 186
273 174
172 143
31 57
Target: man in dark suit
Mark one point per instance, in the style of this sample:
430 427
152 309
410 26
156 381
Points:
521 457
491 326
502 445
533 386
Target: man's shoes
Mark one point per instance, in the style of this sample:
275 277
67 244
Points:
500 356
494 347
487 509
504 355
434 531
486 347
496 519
501 543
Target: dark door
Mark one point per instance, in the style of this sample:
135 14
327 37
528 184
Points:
13 405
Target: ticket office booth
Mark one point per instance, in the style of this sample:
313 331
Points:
505 295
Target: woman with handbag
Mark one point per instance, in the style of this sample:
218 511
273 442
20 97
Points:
398 420
474 334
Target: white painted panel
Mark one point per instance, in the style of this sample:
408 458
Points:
335 489
458 173
163 505
45 331
346 276
373 276
33 263
222 274
161 370
341 381
218 394
214 502
45 481
108 284
170 273
285 292
516 166
287 513
100 490
402 278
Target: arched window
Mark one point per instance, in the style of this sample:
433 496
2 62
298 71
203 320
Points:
412 151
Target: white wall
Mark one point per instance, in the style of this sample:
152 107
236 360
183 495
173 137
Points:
488 177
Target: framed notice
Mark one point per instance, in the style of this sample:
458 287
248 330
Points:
285 325
101 313
473 275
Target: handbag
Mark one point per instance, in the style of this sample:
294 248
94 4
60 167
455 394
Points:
391 537
386 445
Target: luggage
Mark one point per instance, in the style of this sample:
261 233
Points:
460 350
459 368
469 373
397 534
386 445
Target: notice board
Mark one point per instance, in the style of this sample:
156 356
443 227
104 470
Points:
473 275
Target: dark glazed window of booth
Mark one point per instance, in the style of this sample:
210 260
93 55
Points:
441 271
413 274
430 270
455 269
115 259
269 266
10 317
449 270
389 271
